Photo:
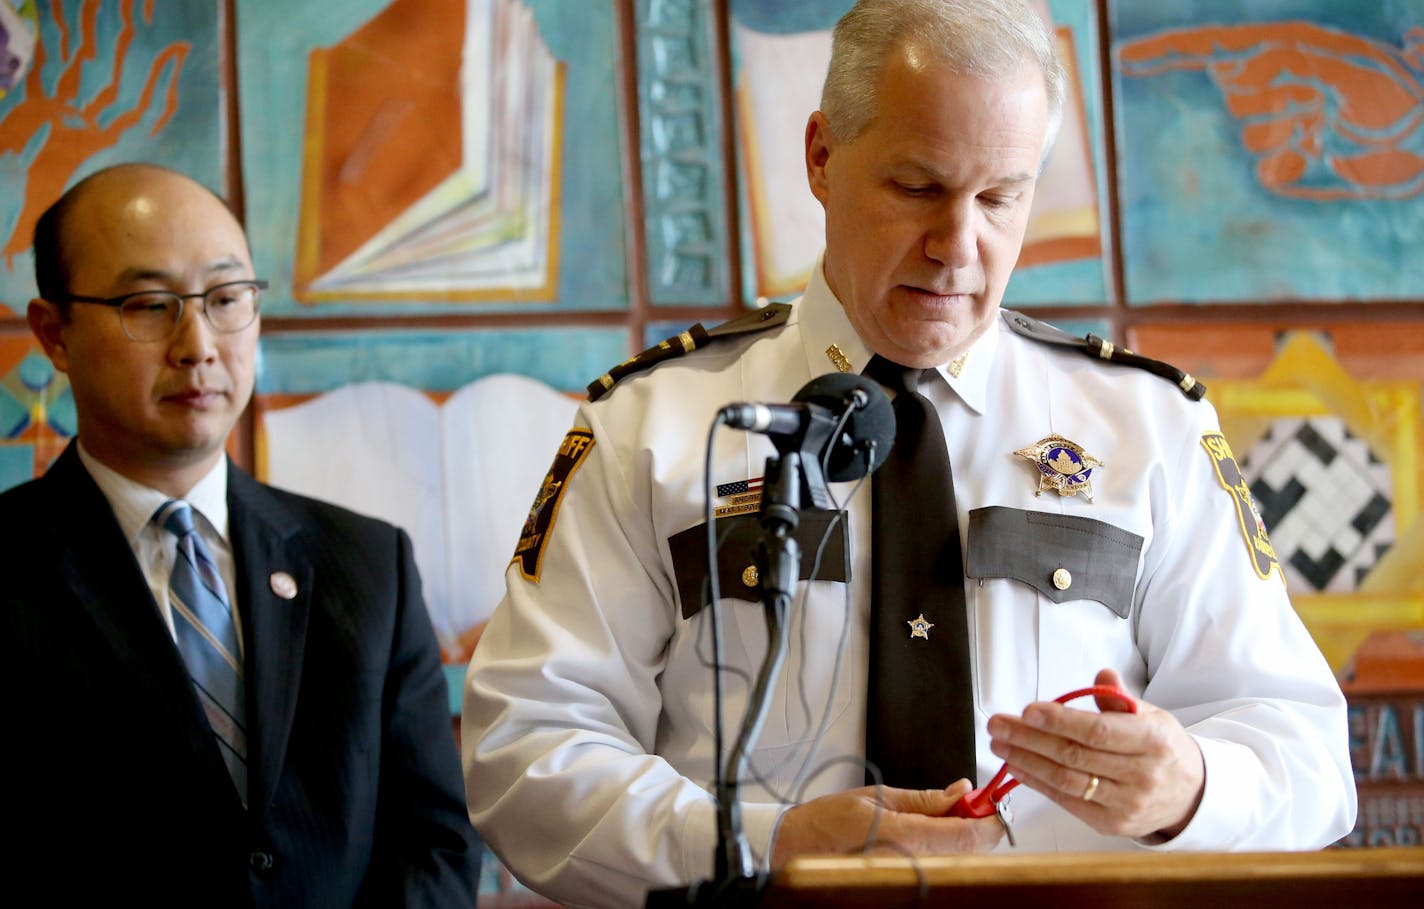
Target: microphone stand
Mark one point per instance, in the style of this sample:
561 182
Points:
736 881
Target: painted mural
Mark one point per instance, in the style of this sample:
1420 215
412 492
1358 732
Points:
1271 149
109 81
445 434
414 156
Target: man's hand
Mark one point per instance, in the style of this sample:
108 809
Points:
1149 770
902 821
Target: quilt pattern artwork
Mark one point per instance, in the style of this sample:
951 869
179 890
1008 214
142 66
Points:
1329 424
1270 149
109 81
37 417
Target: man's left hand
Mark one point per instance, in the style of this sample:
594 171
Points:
1149 772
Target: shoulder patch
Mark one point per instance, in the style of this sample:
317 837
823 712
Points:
695 338
1094 346
1253 529
529 553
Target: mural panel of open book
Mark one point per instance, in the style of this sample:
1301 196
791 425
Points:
420 153
446 434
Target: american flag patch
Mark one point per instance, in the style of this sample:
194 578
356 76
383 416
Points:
741 497
739 487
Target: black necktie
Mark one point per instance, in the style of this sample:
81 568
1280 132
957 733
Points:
920 707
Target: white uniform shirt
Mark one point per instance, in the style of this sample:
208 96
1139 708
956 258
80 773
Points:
588 722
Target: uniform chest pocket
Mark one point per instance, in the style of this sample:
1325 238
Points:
1063 557
818 531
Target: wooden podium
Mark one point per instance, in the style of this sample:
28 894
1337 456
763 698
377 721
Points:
1344 878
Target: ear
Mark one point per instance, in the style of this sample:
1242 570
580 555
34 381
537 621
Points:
819 142
48 326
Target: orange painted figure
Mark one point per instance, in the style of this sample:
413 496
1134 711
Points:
76 129
1331 115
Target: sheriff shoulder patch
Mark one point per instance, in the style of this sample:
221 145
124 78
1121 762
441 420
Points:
540 523
1253 529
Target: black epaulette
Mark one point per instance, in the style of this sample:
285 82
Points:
695 338
1094 346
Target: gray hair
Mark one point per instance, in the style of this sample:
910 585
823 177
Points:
984 38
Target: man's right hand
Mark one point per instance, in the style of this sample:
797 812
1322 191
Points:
911 822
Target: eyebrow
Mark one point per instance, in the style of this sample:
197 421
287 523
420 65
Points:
144 273
1019 179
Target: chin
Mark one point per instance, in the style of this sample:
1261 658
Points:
924 352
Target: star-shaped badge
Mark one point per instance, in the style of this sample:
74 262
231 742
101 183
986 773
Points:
1062 465
920 627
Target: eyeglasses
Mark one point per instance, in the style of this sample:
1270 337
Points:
153 315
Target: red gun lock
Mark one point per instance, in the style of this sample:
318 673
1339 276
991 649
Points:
982 802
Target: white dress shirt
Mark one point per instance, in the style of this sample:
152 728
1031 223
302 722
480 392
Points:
154 546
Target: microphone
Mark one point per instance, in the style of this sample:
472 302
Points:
840 427
772 419
807 425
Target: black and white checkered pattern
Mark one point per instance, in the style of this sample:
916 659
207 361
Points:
1326 500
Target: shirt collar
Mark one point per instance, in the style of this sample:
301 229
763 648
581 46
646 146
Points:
134 503
972 383
832 343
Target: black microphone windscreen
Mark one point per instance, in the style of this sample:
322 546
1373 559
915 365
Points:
868 434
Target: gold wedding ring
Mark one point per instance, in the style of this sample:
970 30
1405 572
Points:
1092 789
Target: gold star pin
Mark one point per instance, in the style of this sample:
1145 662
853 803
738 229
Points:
920 627
1062 466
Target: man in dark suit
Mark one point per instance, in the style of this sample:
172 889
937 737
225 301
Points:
309 761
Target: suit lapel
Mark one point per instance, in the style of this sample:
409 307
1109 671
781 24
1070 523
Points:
99 568
266 540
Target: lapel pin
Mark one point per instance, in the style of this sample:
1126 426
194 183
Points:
920 627
838 358
1062 465
283 584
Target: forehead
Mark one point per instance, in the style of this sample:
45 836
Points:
149 223
929 113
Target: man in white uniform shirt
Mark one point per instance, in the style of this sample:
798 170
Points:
588 720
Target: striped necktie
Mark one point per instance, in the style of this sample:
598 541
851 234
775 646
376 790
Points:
920 711
207 637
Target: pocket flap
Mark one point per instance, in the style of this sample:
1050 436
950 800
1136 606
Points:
1063 557
739 535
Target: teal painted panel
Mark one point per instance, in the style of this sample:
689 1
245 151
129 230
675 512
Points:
17 465
564 359
87 106
1272 150
684 171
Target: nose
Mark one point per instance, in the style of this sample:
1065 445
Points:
951 239
194 340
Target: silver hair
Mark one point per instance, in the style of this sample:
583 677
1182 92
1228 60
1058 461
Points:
979 37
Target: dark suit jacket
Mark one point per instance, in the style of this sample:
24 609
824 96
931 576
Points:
115 785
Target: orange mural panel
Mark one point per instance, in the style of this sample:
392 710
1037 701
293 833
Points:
383 126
